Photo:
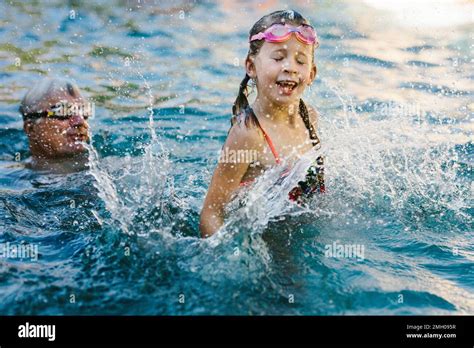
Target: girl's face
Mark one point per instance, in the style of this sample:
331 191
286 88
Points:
282 70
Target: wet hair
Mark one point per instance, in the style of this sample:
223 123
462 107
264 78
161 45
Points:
35 100
241 103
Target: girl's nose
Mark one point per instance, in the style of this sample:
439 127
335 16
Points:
289 68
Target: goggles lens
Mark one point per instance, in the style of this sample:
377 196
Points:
282 32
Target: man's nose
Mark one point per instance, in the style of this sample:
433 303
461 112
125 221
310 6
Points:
77 121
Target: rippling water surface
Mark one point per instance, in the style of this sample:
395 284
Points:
395 97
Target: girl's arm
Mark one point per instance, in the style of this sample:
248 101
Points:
226 178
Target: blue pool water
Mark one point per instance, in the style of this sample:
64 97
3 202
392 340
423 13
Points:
395 98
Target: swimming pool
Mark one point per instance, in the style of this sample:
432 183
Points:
393 234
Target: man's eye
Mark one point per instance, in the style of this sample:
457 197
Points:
278 59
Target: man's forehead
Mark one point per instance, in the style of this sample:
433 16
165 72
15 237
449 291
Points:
54 100
65 100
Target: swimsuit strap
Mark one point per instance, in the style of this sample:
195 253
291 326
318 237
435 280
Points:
312 132
313 137
272 147
267 138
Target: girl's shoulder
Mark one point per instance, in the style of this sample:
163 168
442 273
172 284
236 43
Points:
245 118
244 131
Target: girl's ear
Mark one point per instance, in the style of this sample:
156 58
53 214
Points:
313 73
250 67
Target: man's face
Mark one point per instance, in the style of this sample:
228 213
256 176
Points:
53 138
283 70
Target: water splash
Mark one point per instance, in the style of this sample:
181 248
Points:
137 190
396 165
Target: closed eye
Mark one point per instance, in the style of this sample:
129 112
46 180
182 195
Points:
300 60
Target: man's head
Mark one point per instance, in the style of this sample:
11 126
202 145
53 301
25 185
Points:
55 119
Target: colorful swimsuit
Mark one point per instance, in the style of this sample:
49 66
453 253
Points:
313 182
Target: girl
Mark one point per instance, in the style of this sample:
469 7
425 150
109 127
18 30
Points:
280 63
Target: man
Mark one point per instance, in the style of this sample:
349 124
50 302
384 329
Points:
55 120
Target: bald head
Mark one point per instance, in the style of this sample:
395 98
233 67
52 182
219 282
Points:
50 134
46 93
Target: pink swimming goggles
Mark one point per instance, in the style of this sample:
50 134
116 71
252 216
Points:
281 32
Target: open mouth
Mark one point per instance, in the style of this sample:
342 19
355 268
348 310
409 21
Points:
286 87
79 137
